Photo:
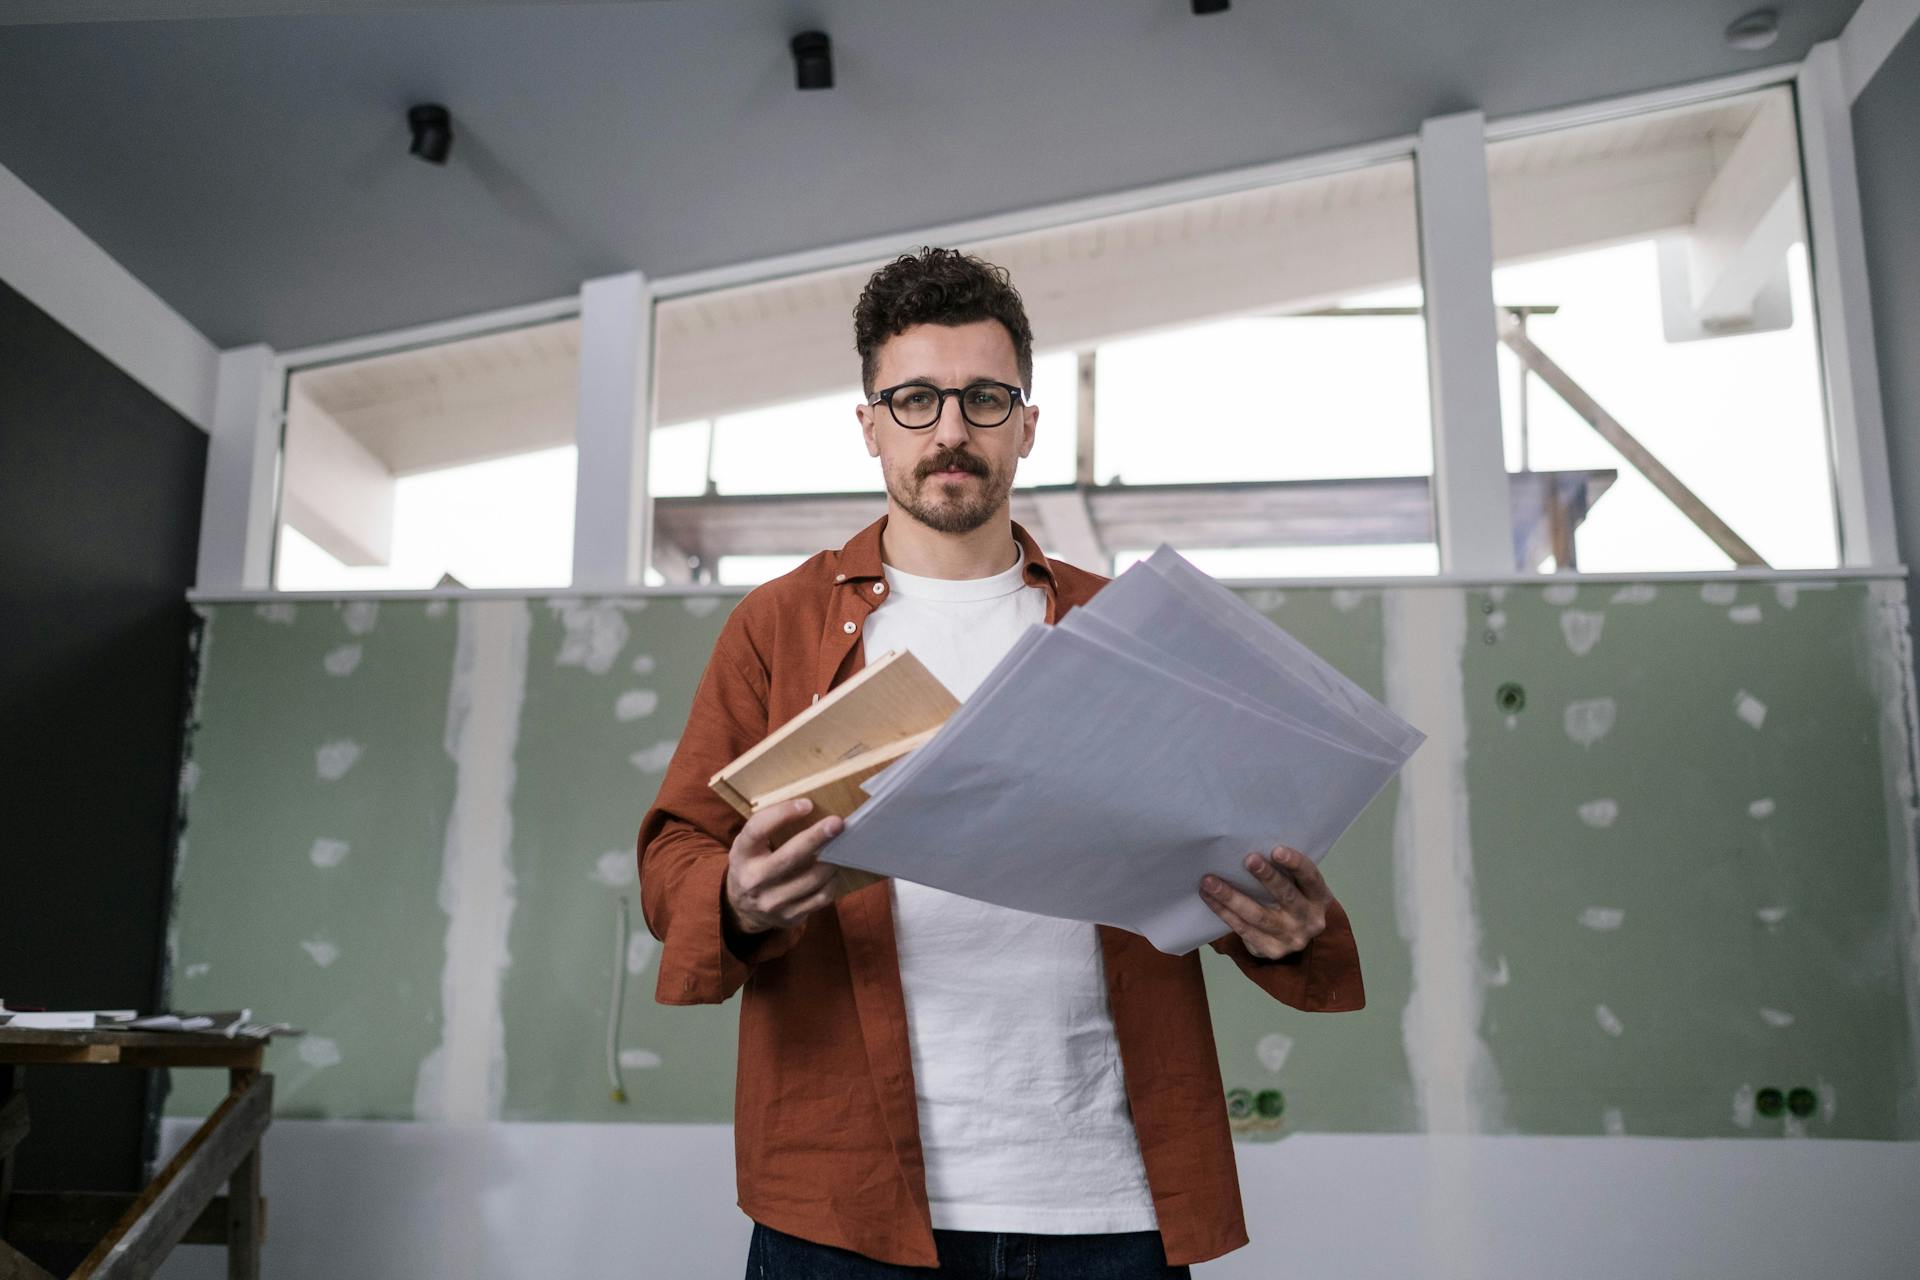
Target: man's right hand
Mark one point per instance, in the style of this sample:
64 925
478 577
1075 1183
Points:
772 887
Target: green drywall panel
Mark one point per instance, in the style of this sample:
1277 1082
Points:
1339 1072
1761 939
316 797
599 722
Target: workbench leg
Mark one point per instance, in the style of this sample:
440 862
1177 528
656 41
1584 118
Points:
12 1118
243 1206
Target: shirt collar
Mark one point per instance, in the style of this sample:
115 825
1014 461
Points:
860 558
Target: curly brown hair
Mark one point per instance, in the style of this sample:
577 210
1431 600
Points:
937 286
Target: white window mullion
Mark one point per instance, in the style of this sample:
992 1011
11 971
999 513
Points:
613 511
1472 514
1845 307
243 456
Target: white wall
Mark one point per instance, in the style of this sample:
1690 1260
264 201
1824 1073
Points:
634 1202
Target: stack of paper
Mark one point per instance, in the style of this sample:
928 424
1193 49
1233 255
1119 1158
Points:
1161 732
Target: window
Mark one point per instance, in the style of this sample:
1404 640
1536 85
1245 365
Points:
1243 376
452 464
1658 350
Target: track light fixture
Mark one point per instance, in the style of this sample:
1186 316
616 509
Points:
432 128
812 60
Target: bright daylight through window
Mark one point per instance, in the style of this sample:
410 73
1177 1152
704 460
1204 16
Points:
450 464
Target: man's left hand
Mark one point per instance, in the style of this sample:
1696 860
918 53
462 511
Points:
1295 916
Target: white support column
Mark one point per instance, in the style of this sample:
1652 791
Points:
613 513
1845 310
1472 515
243 463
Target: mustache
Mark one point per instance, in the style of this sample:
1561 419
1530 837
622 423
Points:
950 460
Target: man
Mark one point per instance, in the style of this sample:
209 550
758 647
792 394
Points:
925 1080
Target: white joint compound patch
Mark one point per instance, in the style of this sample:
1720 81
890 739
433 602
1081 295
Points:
1786 594
1600 814
1720 593
1608 1022
1613 1122
1499 976
636 704
1603 919
1497 620
436 609
1745 614
1347 599
463 1080
189 777
1771 916
1582 630
1265 599
1776 1017
1743 1105
655 758
643 665
1749 708
1561 593
1456 1086
327 852
199 969
333 759
595 634
342 661
642 947
616 867
1272 1050
1497 594
1761 808
279 614
322 952
1590 720
1636 593
701 606
360 616
318 1051
640 1058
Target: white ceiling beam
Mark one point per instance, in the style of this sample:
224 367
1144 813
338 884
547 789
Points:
1747 219
333 491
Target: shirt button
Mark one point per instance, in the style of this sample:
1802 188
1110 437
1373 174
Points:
878 587
839 577
848 627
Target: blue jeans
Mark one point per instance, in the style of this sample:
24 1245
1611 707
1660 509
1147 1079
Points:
971 1255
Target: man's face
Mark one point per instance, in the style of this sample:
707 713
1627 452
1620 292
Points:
952 476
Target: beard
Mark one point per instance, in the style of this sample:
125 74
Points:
952 510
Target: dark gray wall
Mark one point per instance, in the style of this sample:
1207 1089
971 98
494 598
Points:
1886 139
100 488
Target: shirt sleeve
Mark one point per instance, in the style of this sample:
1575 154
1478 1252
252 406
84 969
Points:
1322 977
685 836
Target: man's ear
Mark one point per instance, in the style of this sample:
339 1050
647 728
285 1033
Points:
868 426
1031 412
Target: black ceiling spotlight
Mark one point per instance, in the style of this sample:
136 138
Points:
432 132
1203 7
812 60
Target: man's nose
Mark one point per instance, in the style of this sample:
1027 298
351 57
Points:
950 429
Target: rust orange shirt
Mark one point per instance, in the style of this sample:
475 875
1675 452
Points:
826 1136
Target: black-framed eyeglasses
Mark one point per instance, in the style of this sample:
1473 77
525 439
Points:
916 405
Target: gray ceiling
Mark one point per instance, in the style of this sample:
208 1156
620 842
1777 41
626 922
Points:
252 170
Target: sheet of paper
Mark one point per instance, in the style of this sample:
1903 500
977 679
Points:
1089 784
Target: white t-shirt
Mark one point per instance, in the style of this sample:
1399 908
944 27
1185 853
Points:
1023 1108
